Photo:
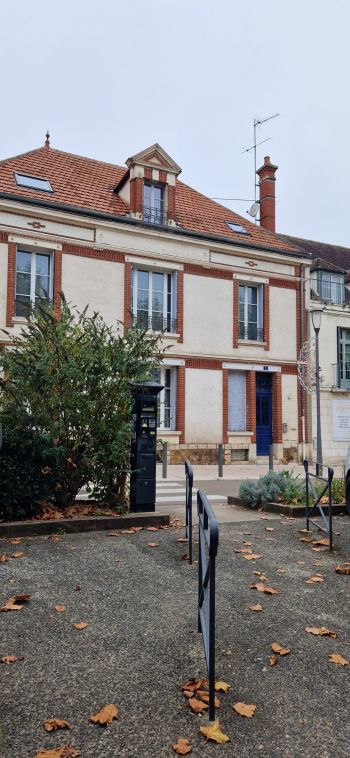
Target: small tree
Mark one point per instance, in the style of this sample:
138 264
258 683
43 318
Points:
65 392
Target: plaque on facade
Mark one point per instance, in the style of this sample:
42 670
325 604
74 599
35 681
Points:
341 419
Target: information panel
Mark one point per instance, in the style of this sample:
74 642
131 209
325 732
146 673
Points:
341 419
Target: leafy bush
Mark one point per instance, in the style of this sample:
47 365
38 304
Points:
284 487
24 479
249 493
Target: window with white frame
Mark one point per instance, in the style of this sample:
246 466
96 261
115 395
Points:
153 203
250 312
33 280
237 401
167 397
154 300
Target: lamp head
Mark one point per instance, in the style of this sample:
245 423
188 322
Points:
316 315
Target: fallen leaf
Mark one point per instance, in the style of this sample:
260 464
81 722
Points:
13 603
263 588
221 686
282 571
77 588
188 693
105 715
152 529
60 608
205 697
182 539
127 531
184 557
305 539
197 706
214 733
4 558
153 544
194 684
256 607
269 529
11 658
314 579
246 542
17 555
324 542
51 724
66 751
244 709
277 648
335 658
182 747
16 540
137 528
322 630
343 569
252 557
81 625
273 660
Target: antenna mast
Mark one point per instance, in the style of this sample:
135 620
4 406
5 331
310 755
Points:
258 122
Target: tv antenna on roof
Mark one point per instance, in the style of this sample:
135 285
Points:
257 122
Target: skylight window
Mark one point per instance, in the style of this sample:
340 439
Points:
236 227
33 182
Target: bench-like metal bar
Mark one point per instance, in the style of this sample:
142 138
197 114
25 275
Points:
208 548
188 507
316 506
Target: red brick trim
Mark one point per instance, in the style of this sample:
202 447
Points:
205 363
11 283
289 284
93 252
287 368
127 294
251 404
148 174
180 305
235 312
171 203
57 282
277 407
266 316
3 236
162 177
180 401
224 405
217 273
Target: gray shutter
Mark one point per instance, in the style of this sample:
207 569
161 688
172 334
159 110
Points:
237 401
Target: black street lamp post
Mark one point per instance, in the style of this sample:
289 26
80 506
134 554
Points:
316 314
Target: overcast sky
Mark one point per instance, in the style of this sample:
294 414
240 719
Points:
109 78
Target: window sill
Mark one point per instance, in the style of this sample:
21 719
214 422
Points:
20 320
165 335
239 434
166 432
258 343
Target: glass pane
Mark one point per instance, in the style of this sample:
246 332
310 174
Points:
143 280
23 284
158 197
24 261
22 305
241 311
158 282
252 314
42 264
252 295
241 294
142 300
42 286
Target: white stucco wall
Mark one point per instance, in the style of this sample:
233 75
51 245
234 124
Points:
97 283
208 315
334 451
332 317
203 395
283 344
290 409
3 285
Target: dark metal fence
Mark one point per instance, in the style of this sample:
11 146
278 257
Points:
208 548
155 321
189 486
317 498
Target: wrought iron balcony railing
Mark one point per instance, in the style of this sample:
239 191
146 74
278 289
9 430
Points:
341 376
329 292
156 323
154 215
250 332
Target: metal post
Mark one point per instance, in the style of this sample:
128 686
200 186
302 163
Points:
306 468
318 408
165 460
270 458
220 460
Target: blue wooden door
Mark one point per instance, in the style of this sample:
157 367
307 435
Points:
263 413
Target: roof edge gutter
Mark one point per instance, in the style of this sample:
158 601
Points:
99 215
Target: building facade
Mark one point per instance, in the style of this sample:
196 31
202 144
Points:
137 244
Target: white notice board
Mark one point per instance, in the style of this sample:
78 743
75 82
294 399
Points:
341 419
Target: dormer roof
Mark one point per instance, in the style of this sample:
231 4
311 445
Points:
154 157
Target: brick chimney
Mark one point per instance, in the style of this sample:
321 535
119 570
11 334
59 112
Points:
267 198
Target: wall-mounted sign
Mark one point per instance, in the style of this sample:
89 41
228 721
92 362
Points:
341 419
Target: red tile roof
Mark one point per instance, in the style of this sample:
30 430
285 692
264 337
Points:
89 185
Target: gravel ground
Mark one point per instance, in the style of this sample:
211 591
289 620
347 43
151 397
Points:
141 644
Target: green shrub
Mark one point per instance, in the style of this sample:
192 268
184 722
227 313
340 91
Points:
250 493
25 480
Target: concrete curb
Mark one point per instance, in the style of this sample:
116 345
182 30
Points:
87 524
297 511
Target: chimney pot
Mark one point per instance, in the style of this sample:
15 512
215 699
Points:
267 199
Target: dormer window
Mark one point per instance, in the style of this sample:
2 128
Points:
153 204
328 286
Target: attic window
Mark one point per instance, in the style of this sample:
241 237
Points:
33 182
236 227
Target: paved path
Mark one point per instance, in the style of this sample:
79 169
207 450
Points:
141 644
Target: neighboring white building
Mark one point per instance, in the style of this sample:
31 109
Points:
137 244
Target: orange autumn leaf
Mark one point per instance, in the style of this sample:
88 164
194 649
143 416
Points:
263 588
194 684
204 696
17 555
252 557
60 608
269 529
182 539
322 630
324 541
244 709
221 686
66 751
314 579
51 724
197 706
15 603
105 715
335 658
152 529
256 608
277 648
16 540
4 558
214 733
188 693
273 660
345 569
81 625
153 544
182 747
11 658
